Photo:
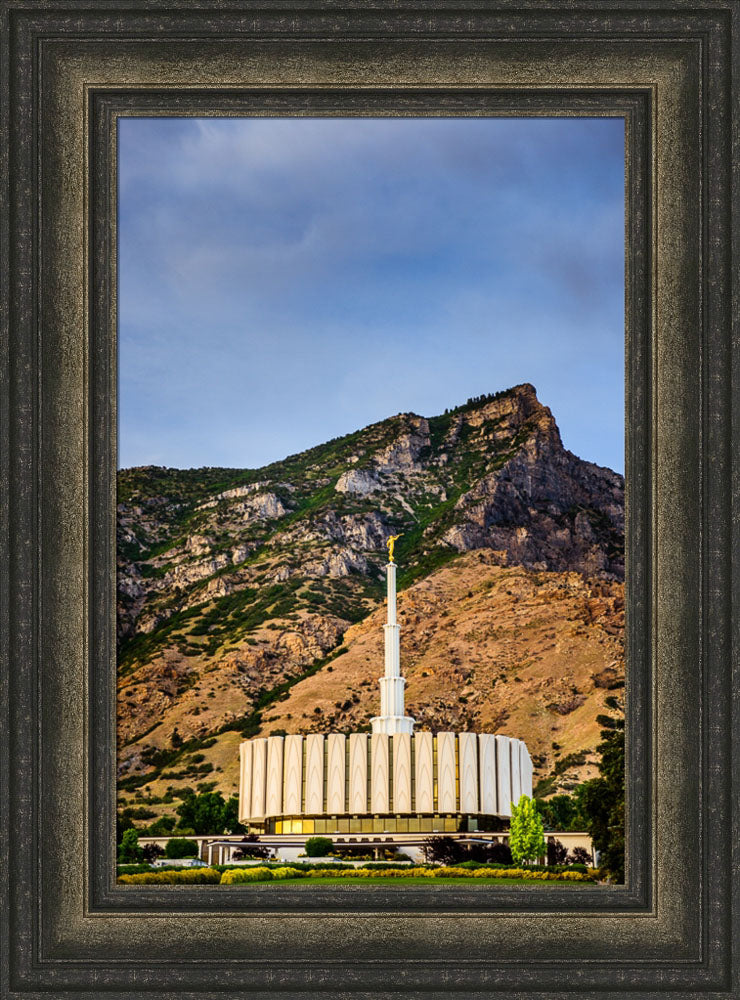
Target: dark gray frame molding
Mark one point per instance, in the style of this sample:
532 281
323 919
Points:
68 71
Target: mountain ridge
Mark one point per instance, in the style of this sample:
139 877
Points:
234 582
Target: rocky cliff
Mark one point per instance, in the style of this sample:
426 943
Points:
247 597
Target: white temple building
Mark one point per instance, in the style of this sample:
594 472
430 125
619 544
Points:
392 780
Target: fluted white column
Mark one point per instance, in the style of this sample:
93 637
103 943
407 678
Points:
245 781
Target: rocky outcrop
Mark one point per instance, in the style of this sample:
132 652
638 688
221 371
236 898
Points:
546 508
263 506
227 589
337 563
496 468
198 545
187 573
359 481
403 453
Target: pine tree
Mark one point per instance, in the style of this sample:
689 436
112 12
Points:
526 837
604 799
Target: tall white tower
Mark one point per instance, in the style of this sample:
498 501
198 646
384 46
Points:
392 718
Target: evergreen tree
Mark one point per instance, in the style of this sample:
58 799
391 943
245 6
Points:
526 837
603 799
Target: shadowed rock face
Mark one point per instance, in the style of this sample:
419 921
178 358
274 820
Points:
546 508
232 581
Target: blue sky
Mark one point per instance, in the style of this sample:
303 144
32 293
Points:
286 281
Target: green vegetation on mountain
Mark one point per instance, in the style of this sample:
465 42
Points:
235 586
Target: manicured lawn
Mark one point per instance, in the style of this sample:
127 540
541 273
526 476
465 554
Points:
399 883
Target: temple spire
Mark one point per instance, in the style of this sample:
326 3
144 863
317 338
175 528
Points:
392 718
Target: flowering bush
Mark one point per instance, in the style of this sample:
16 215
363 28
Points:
288 873
239 876
187 876
260 873
453 872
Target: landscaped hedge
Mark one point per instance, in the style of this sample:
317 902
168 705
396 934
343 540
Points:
454 872
185 876
261 873
239 876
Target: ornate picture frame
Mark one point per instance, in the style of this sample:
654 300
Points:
68 72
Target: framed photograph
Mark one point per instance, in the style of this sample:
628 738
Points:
295 550
386 639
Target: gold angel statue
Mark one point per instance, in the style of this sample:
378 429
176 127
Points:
389 545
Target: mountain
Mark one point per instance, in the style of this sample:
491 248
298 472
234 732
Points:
250 601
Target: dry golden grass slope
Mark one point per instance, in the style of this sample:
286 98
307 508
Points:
485 647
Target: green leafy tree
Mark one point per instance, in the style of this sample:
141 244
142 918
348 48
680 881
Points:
203 813
579 818
206 813
564 812
318 847
556 812
129 852
180 847
526 836
124 821
230 816
162 826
